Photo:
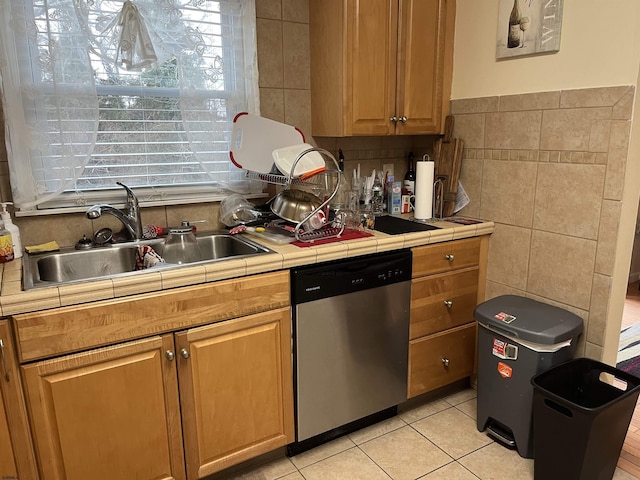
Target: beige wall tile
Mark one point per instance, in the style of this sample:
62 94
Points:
64 229
474 105
295 11
270 53
272 103
569 129
508 190
495 289
624 108
593 97
530 101
513 130
599 137
568 199
297 110
598 309
194 213
269 9
470 128
617 160
592 351
608 236
561 268
509 256
296 55
471 180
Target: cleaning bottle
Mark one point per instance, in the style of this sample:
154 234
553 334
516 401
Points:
12 228
6 245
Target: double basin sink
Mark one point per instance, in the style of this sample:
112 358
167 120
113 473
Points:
69 265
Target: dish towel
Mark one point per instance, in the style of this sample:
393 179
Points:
147 257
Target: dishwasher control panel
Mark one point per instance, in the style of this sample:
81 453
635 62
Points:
346 276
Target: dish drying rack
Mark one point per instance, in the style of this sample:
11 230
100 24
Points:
320 180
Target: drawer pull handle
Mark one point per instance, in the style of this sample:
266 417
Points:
448 303
449 257
445 362
185 353
170 355
393 119
403 119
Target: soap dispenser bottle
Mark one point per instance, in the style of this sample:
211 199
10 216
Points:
12 228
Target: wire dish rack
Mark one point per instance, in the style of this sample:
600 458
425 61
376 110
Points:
325 181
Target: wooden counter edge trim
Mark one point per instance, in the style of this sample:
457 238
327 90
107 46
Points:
80 327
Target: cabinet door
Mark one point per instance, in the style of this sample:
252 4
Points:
16 452
236 390
425 62
371 57
107 413
441 359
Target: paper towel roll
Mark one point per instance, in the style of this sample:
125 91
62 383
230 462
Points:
423 209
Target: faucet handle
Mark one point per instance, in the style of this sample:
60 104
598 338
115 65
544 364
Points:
131 197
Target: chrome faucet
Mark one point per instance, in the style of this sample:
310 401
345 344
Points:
130 219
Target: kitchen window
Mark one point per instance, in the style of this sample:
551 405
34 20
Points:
143 92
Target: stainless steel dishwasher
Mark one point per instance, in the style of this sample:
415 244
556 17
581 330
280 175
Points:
350 339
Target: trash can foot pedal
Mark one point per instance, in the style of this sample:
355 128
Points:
501 435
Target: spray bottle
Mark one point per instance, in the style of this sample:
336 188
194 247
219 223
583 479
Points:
12 229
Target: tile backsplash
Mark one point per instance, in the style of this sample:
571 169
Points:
548 168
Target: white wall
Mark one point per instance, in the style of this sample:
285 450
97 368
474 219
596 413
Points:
600 46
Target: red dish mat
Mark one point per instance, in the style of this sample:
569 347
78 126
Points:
346 235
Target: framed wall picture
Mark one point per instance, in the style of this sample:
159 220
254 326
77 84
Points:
527 27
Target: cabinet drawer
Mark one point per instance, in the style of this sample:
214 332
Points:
441 359
443 301
445 257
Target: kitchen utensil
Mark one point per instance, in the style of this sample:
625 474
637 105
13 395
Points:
181 245
254 138
447 155
306 166
293 205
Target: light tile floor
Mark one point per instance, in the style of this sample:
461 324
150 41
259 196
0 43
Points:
437 440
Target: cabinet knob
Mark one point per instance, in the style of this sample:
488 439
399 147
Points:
448 303
170 355
449 257
403 119
393 119
445 362
185 353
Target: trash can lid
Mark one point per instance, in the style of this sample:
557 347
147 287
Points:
528 319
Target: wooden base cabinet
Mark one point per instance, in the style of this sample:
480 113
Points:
236 390
16 452
109 413
122 411
448 282
380 67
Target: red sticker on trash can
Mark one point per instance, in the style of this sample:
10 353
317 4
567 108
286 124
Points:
505 317
504 370
498 348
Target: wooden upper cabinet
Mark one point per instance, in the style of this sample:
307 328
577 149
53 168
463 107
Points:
380 67
108 413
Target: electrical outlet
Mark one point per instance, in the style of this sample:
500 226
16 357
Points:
388 168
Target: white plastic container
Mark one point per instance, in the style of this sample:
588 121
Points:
12 228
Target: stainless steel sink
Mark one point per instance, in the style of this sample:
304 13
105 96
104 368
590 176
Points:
69 265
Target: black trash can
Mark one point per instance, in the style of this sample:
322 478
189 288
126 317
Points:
518 337
581 414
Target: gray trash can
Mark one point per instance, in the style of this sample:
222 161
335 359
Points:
518 338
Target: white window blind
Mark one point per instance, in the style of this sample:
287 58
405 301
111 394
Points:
79 118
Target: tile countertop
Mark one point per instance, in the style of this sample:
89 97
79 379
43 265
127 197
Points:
13 300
